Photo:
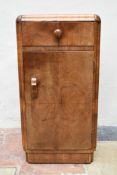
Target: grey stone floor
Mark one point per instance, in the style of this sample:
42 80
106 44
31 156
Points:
107 133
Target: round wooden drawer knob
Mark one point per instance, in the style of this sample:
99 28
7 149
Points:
58 33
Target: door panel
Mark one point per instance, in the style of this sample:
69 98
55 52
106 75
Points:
60 117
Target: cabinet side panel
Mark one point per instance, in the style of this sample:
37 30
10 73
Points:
21 79
97 28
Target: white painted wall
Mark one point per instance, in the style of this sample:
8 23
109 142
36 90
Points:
9 10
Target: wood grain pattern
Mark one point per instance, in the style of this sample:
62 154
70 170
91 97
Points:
59 123
59 158
21 81
42 33
96 82
63 101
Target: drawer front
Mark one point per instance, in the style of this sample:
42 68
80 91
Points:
59 117
52 33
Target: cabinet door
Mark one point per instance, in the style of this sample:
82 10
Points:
59 108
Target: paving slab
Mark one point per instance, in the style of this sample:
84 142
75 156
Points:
105 159
7 171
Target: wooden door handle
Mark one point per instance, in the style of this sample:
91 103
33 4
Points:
34 87
58 33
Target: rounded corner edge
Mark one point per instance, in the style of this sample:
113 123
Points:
19 19
97 18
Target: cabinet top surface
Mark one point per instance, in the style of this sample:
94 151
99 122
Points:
58 17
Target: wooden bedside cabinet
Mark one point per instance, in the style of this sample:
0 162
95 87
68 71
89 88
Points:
58 58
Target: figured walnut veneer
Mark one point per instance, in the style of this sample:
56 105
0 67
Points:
58 59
